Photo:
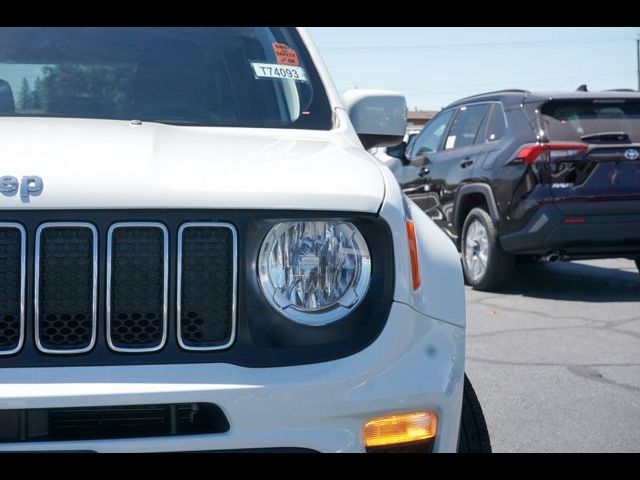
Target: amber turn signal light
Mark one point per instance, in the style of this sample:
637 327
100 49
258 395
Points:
404 428
413 251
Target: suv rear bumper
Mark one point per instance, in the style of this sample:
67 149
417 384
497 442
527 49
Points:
598 236
416 364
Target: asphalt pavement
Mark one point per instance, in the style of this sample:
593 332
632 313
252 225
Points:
555 357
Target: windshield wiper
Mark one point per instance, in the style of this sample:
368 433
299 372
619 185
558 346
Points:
174 122
606 137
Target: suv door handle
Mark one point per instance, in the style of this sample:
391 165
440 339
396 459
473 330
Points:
424 171
466 162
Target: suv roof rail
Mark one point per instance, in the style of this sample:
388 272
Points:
620 90
506 90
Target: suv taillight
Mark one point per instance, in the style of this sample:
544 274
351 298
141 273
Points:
532 152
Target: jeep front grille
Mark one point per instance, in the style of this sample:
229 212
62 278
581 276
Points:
137 286
205 279
66 283
72 288
12 285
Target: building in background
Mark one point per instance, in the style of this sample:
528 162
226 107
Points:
417 118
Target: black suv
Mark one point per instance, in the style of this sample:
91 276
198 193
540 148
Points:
554 176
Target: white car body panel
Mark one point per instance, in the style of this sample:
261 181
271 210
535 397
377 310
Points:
440 273
417 363
115 164
441 293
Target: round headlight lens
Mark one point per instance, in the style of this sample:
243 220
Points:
314 272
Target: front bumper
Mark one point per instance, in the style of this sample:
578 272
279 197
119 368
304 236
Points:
417 363
598 236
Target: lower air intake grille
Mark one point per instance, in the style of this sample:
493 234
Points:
137 286
66 282
11 287
97 423
206 285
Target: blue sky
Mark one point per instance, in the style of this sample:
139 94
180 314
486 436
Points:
433 66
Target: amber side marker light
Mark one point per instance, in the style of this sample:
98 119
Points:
413 251
397 429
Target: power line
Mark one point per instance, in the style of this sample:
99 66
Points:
557 42
528 82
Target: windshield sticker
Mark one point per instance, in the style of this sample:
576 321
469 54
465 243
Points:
285 55
451 141
283 72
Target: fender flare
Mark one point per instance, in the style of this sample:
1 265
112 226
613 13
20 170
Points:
467 189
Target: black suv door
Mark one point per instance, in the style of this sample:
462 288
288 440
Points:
461 149
414 176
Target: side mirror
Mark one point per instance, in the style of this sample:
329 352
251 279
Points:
378 116
398 151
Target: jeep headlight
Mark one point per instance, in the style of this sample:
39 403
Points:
314 272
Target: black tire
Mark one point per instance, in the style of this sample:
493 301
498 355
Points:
500 264
638 264
474 434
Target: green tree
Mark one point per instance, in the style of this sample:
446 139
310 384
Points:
36 95
25 98
87 89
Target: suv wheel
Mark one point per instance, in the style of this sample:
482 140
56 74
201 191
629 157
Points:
486 266
474 434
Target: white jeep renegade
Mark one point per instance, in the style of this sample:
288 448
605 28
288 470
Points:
198 254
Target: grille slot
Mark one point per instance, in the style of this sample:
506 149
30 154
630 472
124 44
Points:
106 422
137 286
66 269
206 285
12 278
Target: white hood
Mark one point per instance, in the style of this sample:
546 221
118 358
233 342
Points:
114 164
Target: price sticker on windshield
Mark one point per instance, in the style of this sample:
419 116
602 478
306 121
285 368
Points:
285 54
282 72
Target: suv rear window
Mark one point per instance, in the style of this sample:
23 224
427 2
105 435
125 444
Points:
572 119
240 76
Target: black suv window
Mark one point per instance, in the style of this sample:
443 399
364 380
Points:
429 140
572 119
465 126
496 125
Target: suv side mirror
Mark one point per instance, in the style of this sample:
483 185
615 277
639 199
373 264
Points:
398 151
378 116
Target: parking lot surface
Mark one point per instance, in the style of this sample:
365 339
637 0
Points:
555 358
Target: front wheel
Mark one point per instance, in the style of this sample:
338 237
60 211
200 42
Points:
474 434
486 266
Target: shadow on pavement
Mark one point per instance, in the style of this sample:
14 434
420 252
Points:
575 281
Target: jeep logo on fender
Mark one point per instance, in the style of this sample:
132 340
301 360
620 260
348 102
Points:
29 185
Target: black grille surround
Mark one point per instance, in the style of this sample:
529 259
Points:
263 338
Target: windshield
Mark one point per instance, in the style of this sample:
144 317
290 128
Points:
240 77
573 119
